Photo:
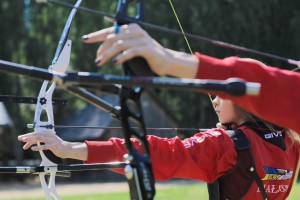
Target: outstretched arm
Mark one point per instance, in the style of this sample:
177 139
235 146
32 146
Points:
276 102
133 41
278 99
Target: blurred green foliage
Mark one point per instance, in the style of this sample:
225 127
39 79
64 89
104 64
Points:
30 33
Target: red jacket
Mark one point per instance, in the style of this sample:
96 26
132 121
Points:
279 99
206 157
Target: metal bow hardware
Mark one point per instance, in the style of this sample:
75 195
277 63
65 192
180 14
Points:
59 64
180 33
138 169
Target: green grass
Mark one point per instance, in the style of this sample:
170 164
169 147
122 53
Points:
295 192
192 192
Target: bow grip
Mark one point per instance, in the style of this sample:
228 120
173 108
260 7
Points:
53 158
47 153
137 66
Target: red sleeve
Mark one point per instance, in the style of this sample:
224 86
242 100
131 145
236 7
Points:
205 156
279 94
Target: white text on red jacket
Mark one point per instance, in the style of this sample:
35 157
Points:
200 138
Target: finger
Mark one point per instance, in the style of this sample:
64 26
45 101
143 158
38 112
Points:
20 137
102 35
28 145
234 126
129 54
40 147
98 36
124 49
219 125
129 36
127 32
37 137
117 39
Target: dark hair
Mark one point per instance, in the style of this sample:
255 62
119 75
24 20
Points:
252 118
248 116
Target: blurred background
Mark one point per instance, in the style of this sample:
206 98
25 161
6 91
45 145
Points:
30 33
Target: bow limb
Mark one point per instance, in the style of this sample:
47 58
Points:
138 170
59 64
179 33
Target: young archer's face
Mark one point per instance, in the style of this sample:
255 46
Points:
226 111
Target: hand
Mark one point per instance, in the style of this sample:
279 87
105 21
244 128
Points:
51 142
132 41
233 126
55 144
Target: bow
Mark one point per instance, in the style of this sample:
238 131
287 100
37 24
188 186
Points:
139 170
134 166
181 33
59 64
92 80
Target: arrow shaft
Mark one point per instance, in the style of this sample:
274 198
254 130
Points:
61 168
119 128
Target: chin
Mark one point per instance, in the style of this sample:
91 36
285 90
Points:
225 123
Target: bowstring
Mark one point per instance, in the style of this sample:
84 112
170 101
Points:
187 41
205 192
190 49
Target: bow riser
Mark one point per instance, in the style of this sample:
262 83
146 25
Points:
60 64
137 66
139 170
